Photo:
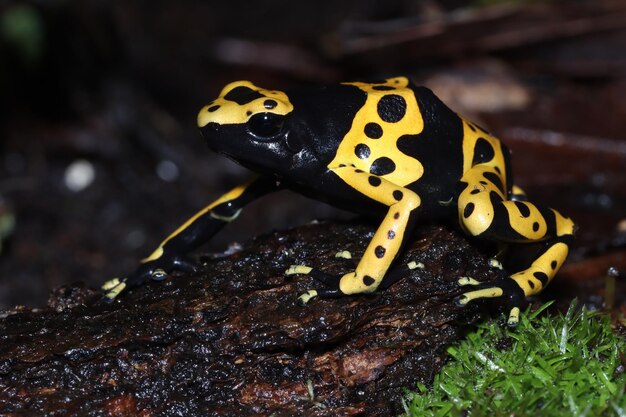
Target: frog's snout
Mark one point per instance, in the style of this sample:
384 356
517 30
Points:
210 132
210 129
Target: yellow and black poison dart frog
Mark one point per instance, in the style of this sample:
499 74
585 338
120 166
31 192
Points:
386 149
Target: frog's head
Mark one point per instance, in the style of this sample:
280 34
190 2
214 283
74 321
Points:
248 124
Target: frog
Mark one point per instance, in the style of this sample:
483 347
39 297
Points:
388 150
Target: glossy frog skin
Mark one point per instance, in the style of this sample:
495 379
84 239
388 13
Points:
390 150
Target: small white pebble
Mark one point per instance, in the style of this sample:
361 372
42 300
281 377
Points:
79 175
167 170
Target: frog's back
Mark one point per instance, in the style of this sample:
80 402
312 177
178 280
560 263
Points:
404 134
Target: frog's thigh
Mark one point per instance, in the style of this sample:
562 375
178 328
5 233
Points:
483 212
391 233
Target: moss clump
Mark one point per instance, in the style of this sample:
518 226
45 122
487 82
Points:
549 365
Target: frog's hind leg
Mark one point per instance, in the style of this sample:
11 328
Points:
485 213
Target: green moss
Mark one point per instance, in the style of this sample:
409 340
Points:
548 365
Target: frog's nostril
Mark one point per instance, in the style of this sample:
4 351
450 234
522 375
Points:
211 127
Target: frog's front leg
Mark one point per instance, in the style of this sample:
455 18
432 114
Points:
170 255
484 212
370 272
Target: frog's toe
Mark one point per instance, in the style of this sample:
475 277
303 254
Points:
298 269
491 291
116 286
506 289
329 280
307 296
513 319
344 254
113 288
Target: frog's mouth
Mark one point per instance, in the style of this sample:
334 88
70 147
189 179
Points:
235 142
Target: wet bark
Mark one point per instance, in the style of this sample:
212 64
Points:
233 339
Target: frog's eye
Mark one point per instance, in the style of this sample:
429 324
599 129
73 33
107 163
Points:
266 125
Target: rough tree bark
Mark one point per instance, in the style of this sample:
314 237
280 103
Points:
233 339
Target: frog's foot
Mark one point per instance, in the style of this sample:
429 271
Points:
505 288
351 284
150 271
328 280
331 282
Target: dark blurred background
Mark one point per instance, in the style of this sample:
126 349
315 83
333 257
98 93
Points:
100 158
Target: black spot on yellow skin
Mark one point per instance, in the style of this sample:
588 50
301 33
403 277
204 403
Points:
379 251
367 280
397 195
469 209
475 191
242 95
391 108
213 108
524 210
473 129
362 151
270 104
391 234
542 277
553 264
382 166
483 152
498 170
396 215
373 130
494 179
248 113
535 226
531 284
374 181
483 182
